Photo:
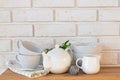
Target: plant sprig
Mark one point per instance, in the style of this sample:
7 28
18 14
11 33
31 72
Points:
47 50
64 46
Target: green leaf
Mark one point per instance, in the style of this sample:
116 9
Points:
64 46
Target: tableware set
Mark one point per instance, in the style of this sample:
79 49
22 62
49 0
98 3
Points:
59 60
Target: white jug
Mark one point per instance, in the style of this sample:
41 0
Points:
90 64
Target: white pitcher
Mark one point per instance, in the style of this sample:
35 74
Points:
90 64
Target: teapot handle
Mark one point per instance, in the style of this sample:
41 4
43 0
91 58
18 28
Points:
19 43
69 50
46 61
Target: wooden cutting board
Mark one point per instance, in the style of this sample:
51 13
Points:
106 73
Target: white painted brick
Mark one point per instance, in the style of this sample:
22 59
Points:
5 45
4 16
24 15
96 3
14 3
110 43
75 40
15 30
42 42
109 58
55 30
109 14
76 15
100 29
53 3
7 56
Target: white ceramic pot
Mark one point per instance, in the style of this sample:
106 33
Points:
57 60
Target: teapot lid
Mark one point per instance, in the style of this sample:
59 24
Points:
57 50
56 46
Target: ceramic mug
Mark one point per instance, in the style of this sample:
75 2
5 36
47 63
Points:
28 61
89 64
28 48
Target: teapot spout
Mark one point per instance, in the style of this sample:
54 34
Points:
46 61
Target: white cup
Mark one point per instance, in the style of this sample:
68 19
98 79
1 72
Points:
28 61
89 65
28 48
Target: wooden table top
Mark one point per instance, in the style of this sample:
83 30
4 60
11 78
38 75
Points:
111 73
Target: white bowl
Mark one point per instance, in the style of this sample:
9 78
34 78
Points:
83 49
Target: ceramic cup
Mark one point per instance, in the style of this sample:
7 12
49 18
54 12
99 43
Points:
89 64
28 61
82 49
28 48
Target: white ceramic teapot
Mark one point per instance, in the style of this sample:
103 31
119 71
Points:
57 60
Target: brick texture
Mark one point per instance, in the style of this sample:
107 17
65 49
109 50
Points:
76 15
4 16
25 15
109 14
111 59
97 3
53 3
94 29
14 3
15 30
57 30
5 45
50 22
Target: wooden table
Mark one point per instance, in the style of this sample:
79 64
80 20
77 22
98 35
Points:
111 73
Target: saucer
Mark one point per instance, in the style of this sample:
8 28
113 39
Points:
16 65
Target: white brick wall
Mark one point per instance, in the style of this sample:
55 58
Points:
15 30
53 3
97 3
76 15
14 3
5 45
111 59
98 29
75 40
57 30
4 16
25 15
47 22
110 43
109 14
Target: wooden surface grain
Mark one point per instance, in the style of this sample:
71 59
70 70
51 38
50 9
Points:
111 73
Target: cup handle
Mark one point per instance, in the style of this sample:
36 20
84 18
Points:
77 63
17 58
19 43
